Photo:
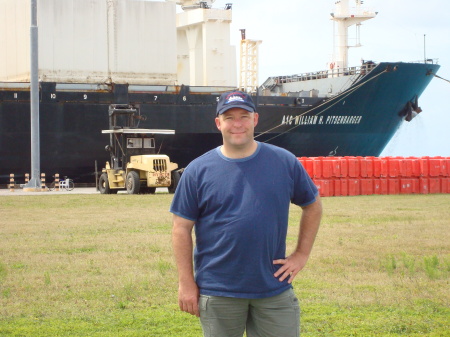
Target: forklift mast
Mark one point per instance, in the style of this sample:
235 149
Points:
123 116
123 145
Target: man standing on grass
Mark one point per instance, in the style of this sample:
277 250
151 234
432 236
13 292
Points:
237 196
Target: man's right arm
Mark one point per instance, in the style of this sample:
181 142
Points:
188 292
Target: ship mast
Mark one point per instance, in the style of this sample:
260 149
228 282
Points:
345 17
249 62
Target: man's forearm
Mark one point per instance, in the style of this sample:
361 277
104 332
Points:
182 247
309 226
188 292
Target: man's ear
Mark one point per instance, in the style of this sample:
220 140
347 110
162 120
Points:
217 120
256 118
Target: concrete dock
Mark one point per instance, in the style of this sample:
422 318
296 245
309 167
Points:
76 190
20 191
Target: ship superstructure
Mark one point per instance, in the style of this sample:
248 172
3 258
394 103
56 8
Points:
339 76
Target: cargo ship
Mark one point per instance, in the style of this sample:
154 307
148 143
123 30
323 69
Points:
172 67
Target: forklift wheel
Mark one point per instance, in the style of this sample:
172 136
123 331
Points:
103 185
133 183
175 180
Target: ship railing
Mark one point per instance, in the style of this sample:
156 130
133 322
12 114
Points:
176 88
427 61
364 69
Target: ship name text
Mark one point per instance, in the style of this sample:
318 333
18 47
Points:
313 120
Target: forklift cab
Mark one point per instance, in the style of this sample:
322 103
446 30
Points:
131 142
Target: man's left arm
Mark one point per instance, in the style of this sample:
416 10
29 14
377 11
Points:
309 226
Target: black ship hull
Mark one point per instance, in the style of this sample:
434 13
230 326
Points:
358 122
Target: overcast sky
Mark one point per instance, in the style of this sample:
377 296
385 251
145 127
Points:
297 37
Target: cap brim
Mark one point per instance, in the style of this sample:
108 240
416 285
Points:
239 106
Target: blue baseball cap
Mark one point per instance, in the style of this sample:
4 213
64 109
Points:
235 99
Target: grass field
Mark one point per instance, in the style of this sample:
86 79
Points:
102 265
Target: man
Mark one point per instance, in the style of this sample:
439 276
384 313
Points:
237 196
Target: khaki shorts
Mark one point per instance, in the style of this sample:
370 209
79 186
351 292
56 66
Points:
264 317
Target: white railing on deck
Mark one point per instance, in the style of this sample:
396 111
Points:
336 72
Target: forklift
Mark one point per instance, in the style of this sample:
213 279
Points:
135 166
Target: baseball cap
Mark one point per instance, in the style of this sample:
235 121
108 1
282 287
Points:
235 99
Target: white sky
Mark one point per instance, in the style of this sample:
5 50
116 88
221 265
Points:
297 37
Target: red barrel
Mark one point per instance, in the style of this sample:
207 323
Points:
406 169
434 185
445 185
327 168
393 186
380 167
344 187
336 187
353 167
308 165
380 186
317 167
343 163
354 186
336 167
365 167
393 167
415 167
424 186
323 186
424 166
406 186
434 166
366 186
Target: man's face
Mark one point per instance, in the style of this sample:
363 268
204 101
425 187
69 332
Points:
237 126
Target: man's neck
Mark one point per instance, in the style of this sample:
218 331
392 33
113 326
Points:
237 152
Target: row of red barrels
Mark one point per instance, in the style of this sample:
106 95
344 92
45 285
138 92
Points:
343 176
369 186
378 167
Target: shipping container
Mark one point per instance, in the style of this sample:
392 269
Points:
96 41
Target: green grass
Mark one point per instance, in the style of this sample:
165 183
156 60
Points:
101 265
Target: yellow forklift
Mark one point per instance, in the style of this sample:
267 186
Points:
135 166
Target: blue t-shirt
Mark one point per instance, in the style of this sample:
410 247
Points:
241 208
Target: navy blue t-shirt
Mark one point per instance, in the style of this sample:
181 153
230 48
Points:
241 208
